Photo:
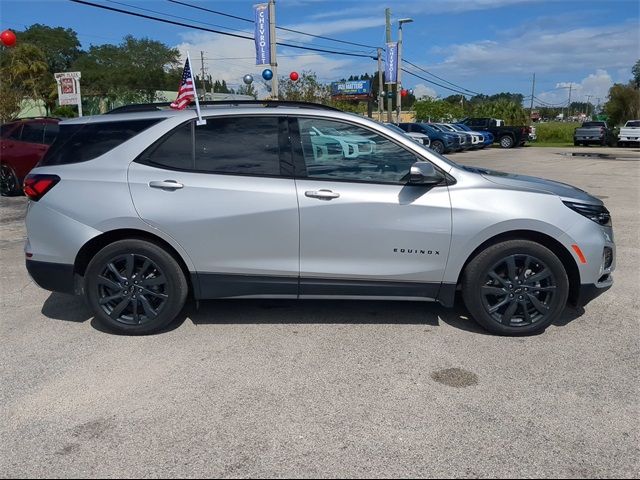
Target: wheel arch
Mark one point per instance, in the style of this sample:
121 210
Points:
569 263
93 246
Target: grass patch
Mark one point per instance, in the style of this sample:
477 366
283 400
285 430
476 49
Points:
550 144
556 133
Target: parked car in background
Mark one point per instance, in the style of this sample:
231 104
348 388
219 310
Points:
507 137
629 134
465 139
417 137
477 139
441 142
598 133
22 144
488 136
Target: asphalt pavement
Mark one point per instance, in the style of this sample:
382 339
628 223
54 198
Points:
274 388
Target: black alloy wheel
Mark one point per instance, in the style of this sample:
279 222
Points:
135 286
132 289
437 146
518 290
9 184
515 287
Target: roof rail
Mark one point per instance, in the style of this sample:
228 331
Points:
151 107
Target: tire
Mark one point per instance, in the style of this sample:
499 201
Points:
117 268
501 301
576 143
437 146
9 183
506 141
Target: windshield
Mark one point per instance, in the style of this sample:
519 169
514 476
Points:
462 127
446 127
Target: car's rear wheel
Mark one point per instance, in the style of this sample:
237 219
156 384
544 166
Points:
506 141
437 146
135 287
9 183
515 287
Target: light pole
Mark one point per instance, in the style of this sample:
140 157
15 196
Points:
399 86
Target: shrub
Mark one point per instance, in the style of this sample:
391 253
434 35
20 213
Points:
556 132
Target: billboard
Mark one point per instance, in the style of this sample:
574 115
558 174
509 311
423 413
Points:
351 90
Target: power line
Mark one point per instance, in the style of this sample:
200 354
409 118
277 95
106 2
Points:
229 34
434 83
440 78
279 28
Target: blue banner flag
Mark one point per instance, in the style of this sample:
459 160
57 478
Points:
391 70
262 34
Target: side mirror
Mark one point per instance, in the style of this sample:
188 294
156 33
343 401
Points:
424 173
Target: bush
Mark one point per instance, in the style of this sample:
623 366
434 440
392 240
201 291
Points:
556 132
64 111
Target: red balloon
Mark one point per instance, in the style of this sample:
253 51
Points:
294 76
404 92
8 38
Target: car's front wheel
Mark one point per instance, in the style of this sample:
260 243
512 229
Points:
135 287
515 287
437 146
506 141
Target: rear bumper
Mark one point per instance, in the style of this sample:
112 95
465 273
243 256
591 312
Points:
56 277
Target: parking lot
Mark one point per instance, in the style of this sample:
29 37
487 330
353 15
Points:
275 388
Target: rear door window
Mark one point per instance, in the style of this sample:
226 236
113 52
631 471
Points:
238 145
82 142
33 132
50 132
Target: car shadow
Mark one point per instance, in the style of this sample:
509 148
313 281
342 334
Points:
71 308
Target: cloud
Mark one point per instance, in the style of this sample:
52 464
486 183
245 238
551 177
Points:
596 85
545 51
421 90
431 7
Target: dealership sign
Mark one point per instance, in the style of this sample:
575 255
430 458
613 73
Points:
262 34
391 70
68 88
355 87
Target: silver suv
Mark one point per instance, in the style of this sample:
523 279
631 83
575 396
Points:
139 211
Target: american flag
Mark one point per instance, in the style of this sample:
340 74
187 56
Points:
186 92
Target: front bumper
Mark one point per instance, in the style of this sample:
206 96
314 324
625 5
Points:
590 291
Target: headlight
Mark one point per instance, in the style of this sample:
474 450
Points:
597 213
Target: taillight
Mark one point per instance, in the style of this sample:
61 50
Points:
35 186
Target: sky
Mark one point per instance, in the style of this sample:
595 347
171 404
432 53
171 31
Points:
484 46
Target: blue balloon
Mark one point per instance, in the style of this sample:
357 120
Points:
267 74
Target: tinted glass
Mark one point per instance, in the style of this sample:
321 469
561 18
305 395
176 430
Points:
174 150
32 132
82 142
50 132
633 124
4 129
15 133
593 124
341 151
246 146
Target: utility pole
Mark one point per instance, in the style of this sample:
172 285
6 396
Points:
272 41
569 105
387 12
588 103
399 84
533 88
204 85
380 86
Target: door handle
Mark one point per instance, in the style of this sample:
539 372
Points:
166 184
321 194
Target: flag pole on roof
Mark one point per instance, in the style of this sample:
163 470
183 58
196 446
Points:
187 92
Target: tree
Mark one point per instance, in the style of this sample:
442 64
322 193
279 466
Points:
437 110
623 103
21 69
636 74
248 90
305 89
60 48
508 110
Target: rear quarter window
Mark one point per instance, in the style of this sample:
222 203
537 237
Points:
77 143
